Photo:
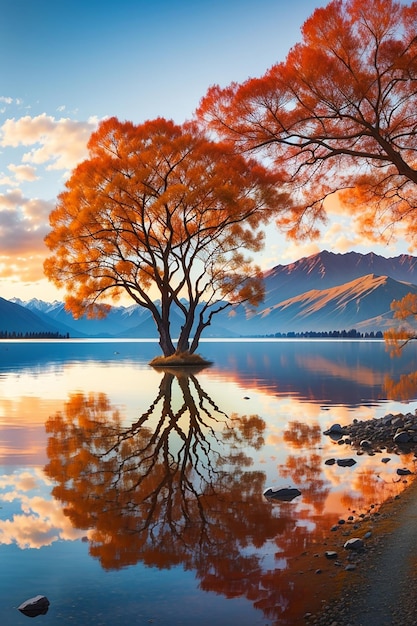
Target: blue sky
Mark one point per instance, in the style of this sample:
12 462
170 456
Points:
69 63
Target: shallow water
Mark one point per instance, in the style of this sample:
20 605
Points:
130 495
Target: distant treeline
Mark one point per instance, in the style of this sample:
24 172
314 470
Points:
7 334
332 334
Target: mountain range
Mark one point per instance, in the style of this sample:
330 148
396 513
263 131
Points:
322 292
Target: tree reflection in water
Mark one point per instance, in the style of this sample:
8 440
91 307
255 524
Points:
403 389
305 467
178 487
174 488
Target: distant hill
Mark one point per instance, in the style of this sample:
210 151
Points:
323 292
328 269
363 303
20 320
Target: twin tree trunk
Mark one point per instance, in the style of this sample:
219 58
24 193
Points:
184 343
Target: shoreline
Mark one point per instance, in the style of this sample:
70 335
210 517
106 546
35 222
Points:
379 590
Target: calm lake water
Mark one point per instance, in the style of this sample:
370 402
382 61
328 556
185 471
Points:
135 496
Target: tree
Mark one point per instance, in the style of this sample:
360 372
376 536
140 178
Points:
339 115
399 336
161 206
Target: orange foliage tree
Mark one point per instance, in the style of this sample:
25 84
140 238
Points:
160 209
339 115
405 310
396 338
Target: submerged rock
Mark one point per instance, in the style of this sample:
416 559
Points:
286 494
34 606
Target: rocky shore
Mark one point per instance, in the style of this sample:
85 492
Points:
395 434
377 553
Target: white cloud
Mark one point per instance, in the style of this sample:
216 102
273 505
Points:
294 251
7 181
59 143
23 172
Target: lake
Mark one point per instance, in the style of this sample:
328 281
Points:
135 496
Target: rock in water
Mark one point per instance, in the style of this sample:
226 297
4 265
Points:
287 494
34 606
403 471
346 462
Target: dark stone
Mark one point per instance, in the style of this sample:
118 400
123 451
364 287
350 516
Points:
403 471
354 544
330 554
335 428
34 606
402 437
346 462
286 494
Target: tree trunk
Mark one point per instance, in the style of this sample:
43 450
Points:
165 342
201 326
183 344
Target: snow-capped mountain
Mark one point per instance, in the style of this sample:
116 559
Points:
323 292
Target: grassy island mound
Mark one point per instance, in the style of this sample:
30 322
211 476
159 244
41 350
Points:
180 359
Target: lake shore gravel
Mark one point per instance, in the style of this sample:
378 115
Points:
381 589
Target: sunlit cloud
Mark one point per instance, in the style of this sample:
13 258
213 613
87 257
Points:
23 172
294 250
23 226
59 143
7 181
20 270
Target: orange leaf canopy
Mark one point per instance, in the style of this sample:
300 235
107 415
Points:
160 205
